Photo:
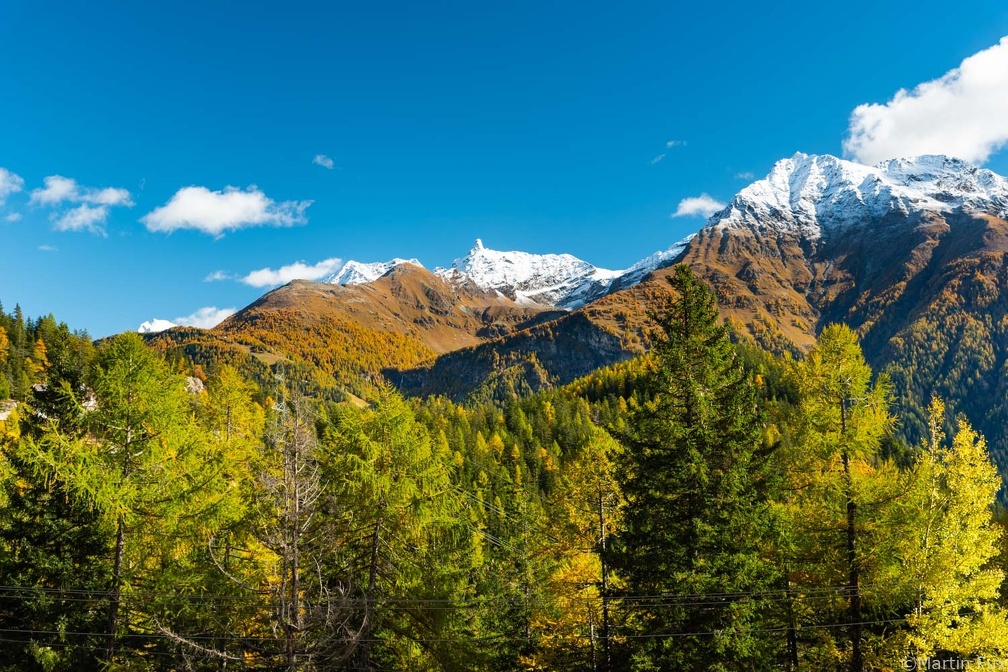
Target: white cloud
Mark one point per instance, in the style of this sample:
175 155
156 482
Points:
109 196
82 218
215 212
675 143
58 189
48 248
745 175
963 113
13 217
268 277
324 161
10 183
93 205
657 159
217 276
702 205
206 317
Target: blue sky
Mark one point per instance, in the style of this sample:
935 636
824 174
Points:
532 125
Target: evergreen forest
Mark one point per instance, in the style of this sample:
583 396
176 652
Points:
707 506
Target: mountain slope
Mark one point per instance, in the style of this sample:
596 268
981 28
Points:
611 329
357 273
911 253
408 300
345 332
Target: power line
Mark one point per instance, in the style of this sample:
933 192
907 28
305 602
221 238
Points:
443 640
84 594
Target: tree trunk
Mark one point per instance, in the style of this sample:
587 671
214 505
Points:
792 643
295 552
369 599
120 548
853 587
606 646
113 625
792 623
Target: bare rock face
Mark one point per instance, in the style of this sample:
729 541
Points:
6 408
194 386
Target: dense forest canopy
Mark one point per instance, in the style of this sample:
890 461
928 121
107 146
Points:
708 506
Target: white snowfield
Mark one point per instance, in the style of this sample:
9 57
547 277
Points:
357 273
809 194
155 325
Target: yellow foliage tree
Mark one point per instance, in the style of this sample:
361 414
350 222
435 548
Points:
954 539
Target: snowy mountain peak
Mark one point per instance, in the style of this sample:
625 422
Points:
560 280
657 260
534 278
491 268
945 177
357 273
808 193
154 326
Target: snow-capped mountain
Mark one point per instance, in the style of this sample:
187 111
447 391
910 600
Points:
809 194
546 279
560 280
557 280
358 273
659 259
154 326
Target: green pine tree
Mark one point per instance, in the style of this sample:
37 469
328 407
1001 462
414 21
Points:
696 513
54 547
404 551
141 462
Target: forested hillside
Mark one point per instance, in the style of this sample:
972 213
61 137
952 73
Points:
345 336
708 506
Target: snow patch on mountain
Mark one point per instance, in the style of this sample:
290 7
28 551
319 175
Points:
808 194
657 260
560 280
154 326
358 273
528 278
